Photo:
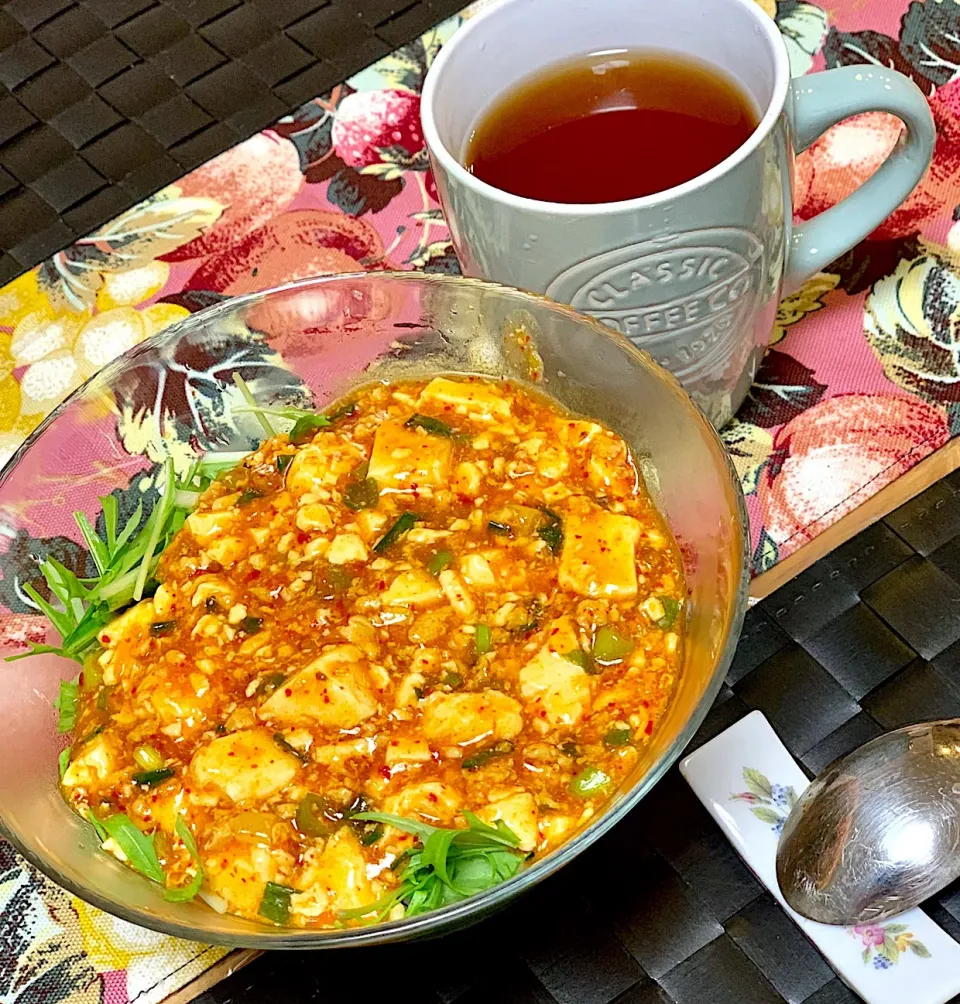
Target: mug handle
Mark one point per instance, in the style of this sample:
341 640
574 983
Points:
820 101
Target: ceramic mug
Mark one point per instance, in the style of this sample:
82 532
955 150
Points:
694 274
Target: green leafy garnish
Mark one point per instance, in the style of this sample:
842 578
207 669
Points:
589 782
610 646
432 425
439 562
449 866
152 777
125 560
305 428
66 705
551 533
275 904
183 894
159 628
362 494
284 461
137 846
483 639
671 608
63 761
502 748
404 523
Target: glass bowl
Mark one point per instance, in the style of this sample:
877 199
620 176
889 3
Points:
309 343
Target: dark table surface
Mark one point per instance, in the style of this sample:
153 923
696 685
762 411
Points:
103 102
107 101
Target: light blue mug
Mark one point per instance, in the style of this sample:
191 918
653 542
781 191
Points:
694 274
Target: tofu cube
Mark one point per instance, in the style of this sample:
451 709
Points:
333 690
557 689
245 766
478 400
598 557
412 589
319 464
207 526
403 458
519 811
346 547
461 719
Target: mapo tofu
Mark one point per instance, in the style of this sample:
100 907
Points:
449 603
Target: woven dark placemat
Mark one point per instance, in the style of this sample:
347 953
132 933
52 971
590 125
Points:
103 102
662 909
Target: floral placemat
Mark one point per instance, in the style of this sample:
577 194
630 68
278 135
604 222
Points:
862 380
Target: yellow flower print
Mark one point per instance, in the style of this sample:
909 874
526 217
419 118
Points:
112 944
806 300
46 353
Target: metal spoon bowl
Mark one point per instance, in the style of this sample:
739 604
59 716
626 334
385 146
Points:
878 831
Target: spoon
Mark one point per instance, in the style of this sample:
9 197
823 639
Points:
878 831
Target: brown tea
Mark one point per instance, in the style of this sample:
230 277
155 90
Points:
610 126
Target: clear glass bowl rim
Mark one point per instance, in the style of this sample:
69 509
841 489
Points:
468 911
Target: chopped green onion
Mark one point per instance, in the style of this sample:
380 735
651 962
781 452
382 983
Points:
92 734
404 523
280 740
251 625
610 646
248 496
159 628
439 562
103 699
148 778
284 461
344 411
570 748
137 846
183 894
671 608
452 679
66 705
502 748
275 904
619 735
551 533
483 639
362 494
582 659
432 425
270 683
91 677
500 529
311 817
148 758
589 782
368 832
